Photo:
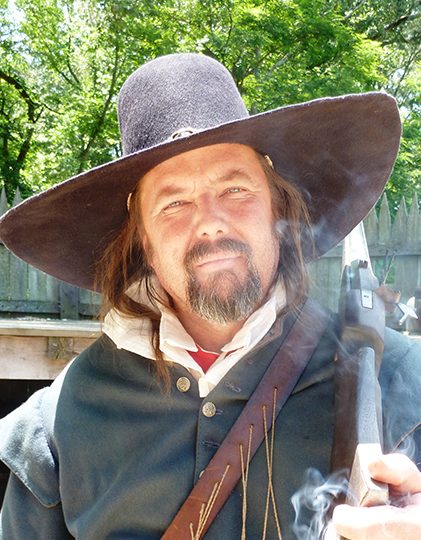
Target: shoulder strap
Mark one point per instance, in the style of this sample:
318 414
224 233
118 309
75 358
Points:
225 468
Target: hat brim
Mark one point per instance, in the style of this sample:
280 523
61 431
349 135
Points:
339 152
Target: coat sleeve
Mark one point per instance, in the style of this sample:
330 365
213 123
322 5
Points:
23 516
32 505
401 390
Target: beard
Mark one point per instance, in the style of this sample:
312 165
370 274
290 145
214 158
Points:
225 297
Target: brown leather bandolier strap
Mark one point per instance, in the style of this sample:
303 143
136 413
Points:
225 468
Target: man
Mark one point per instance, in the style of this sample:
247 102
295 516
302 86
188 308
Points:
198 239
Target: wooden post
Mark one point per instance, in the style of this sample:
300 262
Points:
371 226
3 202
414 222
17 199
400 224
69 301
384 222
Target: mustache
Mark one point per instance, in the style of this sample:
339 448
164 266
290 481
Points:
206 247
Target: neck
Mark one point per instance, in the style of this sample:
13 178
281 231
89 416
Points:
209 335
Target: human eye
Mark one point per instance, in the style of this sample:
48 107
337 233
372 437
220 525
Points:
173 206
235 191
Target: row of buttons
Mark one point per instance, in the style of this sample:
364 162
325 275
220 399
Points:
183 385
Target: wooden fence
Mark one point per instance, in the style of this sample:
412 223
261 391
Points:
25 290
395 249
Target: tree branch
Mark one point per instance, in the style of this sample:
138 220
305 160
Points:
225 47
100 121
356 8
411 15
24 149
31 104
406 69
405 18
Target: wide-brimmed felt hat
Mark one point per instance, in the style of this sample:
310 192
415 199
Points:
339 152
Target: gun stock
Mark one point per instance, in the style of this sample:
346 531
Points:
358 415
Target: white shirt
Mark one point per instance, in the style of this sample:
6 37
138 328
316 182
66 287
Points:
134 335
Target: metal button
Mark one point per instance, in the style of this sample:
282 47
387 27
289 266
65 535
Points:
209 409
183 384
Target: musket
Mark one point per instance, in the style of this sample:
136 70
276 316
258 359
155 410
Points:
358 412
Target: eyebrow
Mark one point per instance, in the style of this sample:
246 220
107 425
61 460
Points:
171 190
232 175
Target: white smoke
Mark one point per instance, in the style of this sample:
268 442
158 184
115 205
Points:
313 504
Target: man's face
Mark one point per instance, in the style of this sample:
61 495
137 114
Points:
209 231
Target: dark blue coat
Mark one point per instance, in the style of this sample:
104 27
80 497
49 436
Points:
104 453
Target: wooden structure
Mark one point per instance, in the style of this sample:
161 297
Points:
396 243
26 291
39 349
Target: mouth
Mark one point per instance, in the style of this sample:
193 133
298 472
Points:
218 260
225 254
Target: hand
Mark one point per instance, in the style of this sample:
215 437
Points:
400 521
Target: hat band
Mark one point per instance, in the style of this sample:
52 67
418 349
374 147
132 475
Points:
182 133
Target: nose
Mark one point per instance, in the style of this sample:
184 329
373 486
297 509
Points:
211 219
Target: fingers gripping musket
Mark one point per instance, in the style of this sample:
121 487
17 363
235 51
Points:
358 421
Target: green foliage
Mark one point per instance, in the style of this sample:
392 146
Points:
63 61
406 178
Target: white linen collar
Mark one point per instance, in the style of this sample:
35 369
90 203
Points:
134 334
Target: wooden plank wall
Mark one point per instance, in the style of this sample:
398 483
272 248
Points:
394 242
26 290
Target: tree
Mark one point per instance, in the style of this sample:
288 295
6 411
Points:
20 109
63 61
396 26
64 64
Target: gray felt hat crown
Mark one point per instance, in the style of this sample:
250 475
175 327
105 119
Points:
339 152
157 104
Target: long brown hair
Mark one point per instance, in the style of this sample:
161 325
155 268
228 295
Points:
124 262
293 226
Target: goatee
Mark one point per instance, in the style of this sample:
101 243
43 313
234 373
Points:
225 297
